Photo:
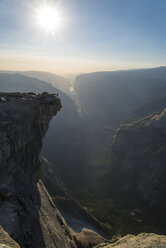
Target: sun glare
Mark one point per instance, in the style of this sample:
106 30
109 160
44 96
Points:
49 18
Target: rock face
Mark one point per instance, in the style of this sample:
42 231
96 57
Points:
138 168
143 240
6 241
27 212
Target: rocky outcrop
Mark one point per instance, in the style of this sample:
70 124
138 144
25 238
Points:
27 212
143 240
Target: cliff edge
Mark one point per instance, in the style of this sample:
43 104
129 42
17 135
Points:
27 212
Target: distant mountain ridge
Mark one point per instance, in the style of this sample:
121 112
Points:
57 81
112 97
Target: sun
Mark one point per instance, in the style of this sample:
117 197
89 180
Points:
49 18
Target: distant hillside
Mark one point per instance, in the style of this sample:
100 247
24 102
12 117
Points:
16 82
113 97
57 81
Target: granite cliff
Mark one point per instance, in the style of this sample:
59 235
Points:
138 171
27 212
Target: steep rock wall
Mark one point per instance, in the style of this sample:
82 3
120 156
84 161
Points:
138 159
27 212
138 166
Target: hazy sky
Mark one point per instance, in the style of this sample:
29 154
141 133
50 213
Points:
94 35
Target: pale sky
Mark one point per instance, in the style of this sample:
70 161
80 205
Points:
94 35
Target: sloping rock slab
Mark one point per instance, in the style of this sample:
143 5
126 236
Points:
143 240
